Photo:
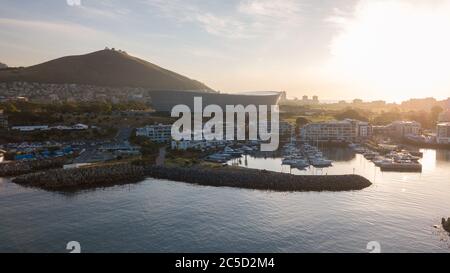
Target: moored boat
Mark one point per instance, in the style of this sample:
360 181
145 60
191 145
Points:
401 166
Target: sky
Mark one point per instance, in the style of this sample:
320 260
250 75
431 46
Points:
336 49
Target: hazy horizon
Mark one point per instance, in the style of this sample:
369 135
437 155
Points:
344 49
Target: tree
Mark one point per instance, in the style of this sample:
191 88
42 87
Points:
351 114
387 117
300 122
435 112
422 117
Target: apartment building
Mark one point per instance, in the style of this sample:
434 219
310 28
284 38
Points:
157 133
345 130
443 133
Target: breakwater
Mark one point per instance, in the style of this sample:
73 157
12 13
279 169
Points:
259 179
104 175
85 177
23 167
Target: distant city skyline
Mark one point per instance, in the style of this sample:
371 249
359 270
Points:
337 50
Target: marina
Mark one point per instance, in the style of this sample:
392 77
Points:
395 162
400 161
304 157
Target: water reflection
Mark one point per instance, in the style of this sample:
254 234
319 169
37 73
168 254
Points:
399 210
442 156
345 162
339 154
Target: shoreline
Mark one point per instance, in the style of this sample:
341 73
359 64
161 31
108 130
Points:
126 173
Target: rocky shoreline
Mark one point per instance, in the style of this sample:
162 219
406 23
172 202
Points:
121 173
23 167
446 224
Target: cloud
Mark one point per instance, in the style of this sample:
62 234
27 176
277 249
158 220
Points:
99 9
282 9
247 19
73 2
45 26
223 26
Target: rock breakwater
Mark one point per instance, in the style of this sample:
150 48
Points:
23 167
121 173
85 177
258 179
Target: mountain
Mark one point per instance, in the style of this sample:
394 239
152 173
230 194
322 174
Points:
2 65
107 67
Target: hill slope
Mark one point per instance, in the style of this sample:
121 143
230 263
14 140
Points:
103 68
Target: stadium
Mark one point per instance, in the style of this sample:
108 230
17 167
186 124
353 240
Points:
165 100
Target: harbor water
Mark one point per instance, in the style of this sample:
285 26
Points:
400 211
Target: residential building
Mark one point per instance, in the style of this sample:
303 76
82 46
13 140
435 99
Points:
400 129
443 133
309 101
157 133
315 100
363 129
345 130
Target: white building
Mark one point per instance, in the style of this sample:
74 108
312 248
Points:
199 144
157 133
443 133
30 128
346 130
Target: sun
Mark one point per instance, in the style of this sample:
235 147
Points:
396 49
